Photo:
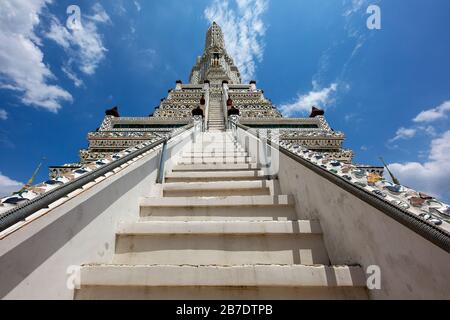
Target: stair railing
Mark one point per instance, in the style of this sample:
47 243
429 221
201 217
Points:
24 210
197 127
426 229
224 103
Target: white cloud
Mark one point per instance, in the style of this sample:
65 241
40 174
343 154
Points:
244 31
119 8
72 76
83 45
353 6
8 185
430 130
353 118
3 114
408 133
432 176
357 32
404 133
99 15
138 6
317 97
22 66
434 114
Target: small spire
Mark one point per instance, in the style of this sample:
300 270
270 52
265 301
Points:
33 177
394 179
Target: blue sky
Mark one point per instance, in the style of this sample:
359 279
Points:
388 90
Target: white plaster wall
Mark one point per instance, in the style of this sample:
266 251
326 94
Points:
357 233
34 259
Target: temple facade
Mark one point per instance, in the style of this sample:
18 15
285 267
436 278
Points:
216 195
215 87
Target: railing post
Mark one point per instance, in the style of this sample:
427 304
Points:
162 160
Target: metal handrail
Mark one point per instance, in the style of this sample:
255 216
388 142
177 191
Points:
24 210
206 120
427 230
224 106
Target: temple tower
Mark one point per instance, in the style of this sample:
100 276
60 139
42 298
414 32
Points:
216 195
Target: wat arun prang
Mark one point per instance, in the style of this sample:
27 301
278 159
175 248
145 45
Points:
213 75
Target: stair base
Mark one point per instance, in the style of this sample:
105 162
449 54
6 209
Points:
218 293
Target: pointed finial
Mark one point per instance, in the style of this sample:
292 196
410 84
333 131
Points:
33 177
315 111
114 111
394 179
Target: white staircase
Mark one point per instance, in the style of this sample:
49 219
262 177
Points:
220 230
216 119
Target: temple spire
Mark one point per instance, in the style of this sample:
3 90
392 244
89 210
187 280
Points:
214 39
215 64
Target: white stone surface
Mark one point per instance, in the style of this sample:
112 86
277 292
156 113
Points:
245 275
220 228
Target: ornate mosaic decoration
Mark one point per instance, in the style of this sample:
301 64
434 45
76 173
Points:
417 203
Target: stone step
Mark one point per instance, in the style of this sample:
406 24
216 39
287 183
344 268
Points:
212 154
202 228
210 202
193 160
249 294
219 140
221 282
229 208
220 188
214 144
268 213
216 129
213 149
189 176
208 150
220 243
215 167
217 135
